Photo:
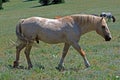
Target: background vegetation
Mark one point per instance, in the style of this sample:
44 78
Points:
47 2
103 56
1 2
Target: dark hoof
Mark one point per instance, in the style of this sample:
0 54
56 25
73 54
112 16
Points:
15 64
60 68
29 67
87 66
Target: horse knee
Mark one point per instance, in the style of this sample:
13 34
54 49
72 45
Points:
82 52
78 48
27 50
20 47
27 53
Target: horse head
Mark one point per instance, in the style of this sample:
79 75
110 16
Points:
103 30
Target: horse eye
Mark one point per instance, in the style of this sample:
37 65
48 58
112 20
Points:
103 27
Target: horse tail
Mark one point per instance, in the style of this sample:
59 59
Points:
113 18
19 31
20 34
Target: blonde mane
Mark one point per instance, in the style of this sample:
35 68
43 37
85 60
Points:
83 19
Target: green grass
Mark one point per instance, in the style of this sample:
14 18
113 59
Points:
103 56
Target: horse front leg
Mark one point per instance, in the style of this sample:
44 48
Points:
27 54
87 64
78 48
18 49
65 50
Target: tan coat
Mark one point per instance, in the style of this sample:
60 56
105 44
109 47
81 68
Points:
66 30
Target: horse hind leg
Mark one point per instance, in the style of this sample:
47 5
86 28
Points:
64 53
37 40
27 54
18 49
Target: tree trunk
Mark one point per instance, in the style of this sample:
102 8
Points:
1 4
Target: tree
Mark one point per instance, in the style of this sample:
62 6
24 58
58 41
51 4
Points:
57 1
46 2
1 2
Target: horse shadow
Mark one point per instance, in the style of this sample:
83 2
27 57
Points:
18 67
73 69
23 67
37 6
42 68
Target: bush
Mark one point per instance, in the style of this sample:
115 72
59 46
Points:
28 0
46 2
5 1
1 2
57 1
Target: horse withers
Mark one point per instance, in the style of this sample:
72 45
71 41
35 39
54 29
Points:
67 30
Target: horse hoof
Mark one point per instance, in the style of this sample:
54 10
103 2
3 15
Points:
87 66
29 67
60 68
15 64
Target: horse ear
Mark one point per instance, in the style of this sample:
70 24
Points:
101 19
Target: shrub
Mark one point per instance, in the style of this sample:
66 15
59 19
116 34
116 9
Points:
57 1
5 1
1 2
46 2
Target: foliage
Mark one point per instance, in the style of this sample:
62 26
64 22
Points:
1 2
28 0
5 1
103 56
57 1
46 2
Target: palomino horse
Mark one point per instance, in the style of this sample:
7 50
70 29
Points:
67 30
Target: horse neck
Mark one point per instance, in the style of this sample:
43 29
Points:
86 28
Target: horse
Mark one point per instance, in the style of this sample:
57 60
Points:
67 30
107 15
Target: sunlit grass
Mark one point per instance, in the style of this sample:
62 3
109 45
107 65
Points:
104 57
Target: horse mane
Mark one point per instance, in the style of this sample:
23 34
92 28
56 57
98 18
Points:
84 19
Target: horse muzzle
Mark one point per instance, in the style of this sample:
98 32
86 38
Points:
108 38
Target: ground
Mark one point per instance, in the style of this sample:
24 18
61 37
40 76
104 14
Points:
104 57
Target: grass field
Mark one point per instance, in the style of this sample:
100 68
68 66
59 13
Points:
104 57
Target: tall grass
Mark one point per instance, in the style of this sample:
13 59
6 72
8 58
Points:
103 56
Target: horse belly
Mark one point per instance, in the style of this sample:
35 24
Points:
52 38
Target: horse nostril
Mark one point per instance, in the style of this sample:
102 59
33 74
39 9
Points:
107 38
